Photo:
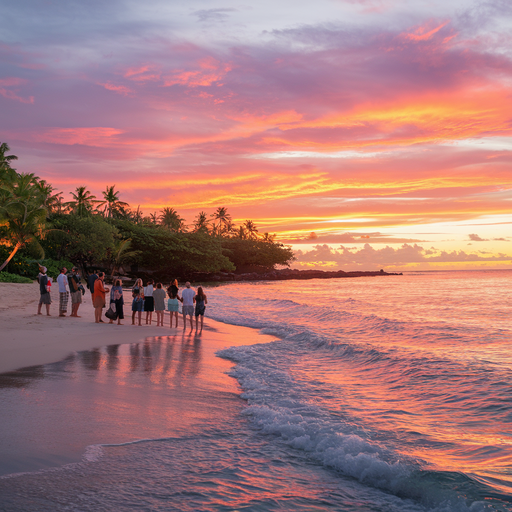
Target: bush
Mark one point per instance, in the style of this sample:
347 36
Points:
26 267
5 277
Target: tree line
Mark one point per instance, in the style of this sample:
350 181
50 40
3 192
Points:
36 224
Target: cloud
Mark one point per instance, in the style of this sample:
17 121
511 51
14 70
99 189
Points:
475 238
352 238
121 89
10 94
346 257
213 15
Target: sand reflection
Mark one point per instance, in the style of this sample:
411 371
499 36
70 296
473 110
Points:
153 389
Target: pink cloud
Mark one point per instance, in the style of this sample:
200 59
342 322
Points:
121 89
11 95
424 32
146 73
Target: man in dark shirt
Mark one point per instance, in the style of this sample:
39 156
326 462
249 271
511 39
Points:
91 278
43 289
75 292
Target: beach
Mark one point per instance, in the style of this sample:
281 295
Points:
29 339
393 397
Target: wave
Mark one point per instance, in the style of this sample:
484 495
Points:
280 406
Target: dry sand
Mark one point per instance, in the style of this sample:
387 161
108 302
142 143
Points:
28 339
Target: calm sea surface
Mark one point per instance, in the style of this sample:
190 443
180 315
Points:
379 394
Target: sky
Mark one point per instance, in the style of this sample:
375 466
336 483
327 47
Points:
366 134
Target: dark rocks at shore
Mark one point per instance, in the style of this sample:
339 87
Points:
285 274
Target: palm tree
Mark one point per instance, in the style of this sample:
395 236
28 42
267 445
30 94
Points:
122 253
153 218
170 219
250 228
136 216
112 203
23 213
201 224
5 160
56 203
224 218
267 237
83 201
240 233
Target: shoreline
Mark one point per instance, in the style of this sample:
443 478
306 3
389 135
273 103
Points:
29 339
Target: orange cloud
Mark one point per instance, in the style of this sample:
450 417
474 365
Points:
210 71
423 33
412 120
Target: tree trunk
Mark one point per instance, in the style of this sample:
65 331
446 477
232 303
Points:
14 251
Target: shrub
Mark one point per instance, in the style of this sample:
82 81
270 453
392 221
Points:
5 277
26 267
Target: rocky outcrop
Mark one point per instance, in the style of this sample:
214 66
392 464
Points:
285 274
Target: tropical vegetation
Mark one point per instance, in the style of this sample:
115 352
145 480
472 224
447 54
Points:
37 226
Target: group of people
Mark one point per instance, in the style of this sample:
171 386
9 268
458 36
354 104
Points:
149 299
69 286
152 298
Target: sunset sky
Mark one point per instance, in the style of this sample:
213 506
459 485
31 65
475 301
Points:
366 133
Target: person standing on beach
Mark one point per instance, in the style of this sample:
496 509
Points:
99 297
173 289
44 289
138 300
149 302
91 278
159 296
173 305
75 292
200 302
187 297
116 299
62 281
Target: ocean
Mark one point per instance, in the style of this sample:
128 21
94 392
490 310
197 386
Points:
391 393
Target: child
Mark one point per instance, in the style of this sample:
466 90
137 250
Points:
173 306
159 297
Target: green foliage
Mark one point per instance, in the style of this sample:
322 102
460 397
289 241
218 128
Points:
87 240
22 212
24 264
174 254
6 277
256 253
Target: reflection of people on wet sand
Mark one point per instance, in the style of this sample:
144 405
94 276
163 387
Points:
187 297
200 301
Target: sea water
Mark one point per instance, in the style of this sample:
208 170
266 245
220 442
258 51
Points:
377 394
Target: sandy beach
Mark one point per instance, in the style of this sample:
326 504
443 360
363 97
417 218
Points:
28 339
